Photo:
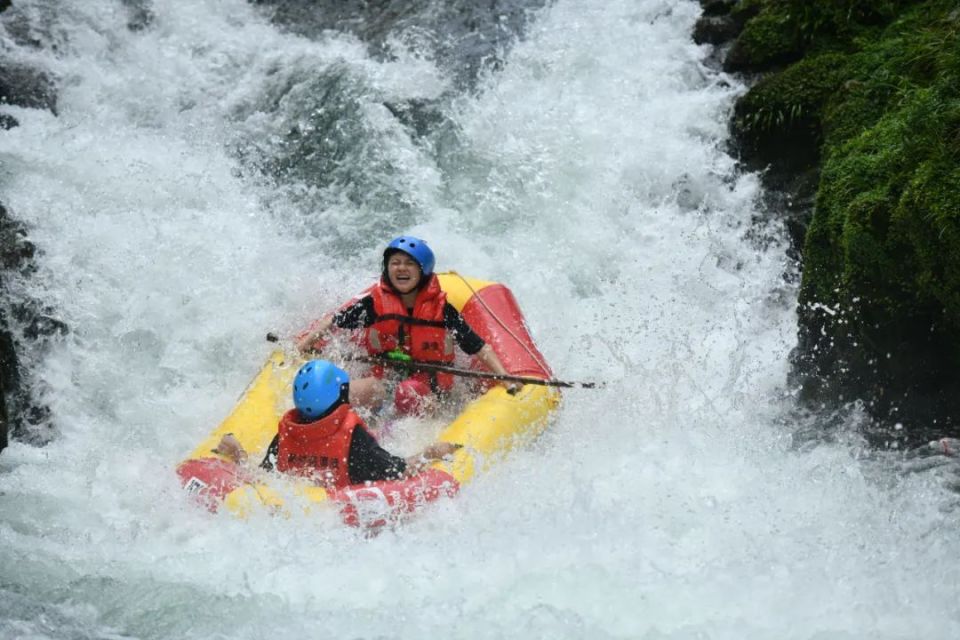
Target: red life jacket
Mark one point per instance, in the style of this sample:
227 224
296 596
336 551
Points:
421 335
318 450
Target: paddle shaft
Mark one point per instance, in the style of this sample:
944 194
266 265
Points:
419 365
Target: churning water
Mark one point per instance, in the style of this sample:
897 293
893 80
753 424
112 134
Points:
211 177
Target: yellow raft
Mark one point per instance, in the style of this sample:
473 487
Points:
488 427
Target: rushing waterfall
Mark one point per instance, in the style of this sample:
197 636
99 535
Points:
211 176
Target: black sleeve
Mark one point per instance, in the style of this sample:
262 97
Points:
270 460
358 315
467 339
369 461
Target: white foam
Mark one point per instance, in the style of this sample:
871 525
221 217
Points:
590 178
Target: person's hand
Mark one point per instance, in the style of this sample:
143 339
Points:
436 451
230 448
489 357
307 344
313 340
440 450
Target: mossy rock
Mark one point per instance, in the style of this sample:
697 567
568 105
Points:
768 40
780 32
784 111
862 186
928 220
854 108
840 19
884 245
875 102
892 130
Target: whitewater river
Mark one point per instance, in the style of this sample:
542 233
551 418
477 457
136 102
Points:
211 178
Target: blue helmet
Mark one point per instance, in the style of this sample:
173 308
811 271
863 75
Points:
318 386
416 249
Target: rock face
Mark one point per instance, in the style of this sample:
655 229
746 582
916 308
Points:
27 87
857 113
466 36
141 16
25 323
322 123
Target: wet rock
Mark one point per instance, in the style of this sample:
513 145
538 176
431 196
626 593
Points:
718 7
715 29
766 41
859 158
141 14
16 251
909 389
465 36
723 20
789 194
28 87
8 367
26 326
420 116
778 131
35 25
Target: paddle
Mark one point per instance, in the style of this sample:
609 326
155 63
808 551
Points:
418 365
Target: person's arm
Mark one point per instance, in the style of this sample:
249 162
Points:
231 449
369 462
464 335
357 315
307 341
489 357
473 345
270 459
437 451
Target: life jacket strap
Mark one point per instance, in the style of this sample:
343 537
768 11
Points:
420 322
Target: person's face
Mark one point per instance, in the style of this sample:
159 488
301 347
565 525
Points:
403 271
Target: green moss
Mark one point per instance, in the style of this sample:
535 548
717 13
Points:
880 293
857 105
879 87
840 19
928 221
794 98
846 243
770 38
915 52
887 220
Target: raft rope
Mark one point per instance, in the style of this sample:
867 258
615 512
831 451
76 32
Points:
476 294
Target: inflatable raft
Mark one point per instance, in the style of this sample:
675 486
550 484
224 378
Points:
488 428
